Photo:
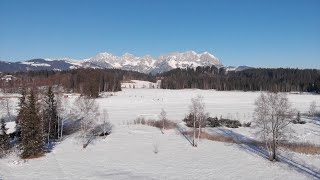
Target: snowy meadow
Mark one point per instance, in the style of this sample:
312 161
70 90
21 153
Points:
136 151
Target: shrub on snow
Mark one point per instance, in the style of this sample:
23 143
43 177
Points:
189 121
213 122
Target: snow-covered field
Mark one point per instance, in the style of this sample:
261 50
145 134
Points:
128 153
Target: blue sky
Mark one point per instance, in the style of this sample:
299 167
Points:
260 33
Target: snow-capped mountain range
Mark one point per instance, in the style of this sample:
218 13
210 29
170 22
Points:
144 64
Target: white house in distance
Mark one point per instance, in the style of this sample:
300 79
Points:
8 78
137 84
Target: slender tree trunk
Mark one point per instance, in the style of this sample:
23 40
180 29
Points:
104 128
274 156
58 129
199 132
49 128
61 130
194 131
163 126
8 109
273 147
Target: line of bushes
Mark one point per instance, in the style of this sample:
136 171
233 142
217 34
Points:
214 122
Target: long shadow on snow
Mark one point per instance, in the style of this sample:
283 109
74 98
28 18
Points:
70 126
249 145
314 120
182 132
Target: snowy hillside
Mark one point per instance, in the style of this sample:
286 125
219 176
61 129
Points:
129 152
144 64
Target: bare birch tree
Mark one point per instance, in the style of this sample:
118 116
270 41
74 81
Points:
197 109
272 115
62 110
312 109
6 108
88 111
163 118
106 126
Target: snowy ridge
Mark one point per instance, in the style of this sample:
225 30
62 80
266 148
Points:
237 68
36 64
147 63
127 61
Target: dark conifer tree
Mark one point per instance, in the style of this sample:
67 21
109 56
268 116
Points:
21 114
31 130
4 138
51 117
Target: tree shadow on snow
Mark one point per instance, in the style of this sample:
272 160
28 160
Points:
49 147
182 131
244 142
251 146
314 120
70 126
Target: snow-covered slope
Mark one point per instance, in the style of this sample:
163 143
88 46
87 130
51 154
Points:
144 64
237 68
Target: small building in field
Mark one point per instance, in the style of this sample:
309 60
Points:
8 78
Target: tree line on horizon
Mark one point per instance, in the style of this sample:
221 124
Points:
88 82
91 82
260 79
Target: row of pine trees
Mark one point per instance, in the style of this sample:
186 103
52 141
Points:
34 127
88 82
259 79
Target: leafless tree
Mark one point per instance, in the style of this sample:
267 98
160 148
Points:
155 148
105 123
312 108
62 110
163 118
6 107
272 115
88 111
197 108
